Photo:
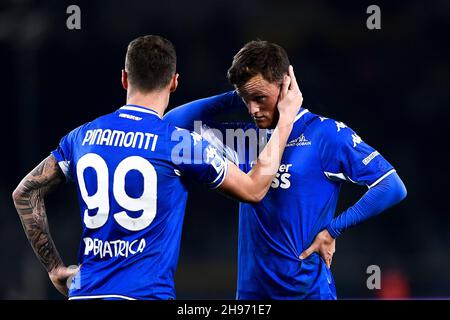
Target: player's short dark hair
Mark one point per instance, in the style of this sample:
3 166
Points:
268 59
150 62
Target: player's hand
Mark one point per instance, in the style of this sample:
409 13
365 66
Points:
324 244
59 276
290 99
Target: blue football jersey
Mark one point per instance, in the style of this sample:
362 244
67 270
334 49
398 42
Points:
130 168
320 154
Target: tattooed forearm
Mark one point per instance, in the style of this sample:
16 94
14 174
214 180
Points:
29 201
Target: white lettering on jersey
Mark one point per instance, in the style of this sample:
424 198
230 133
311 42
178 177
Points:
299 142
116 248
129 116
281 179
117 138
370 157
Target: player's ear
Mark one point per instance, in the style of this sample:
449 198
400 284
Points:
124 79
174 82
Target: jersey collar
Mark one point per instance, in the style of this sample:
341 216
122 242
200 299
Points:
133 107
301 113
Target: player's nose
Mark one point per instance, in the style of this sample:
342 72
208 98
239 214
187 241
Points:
253 108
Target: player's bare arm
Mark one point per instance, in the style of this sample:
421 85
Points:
29 202
252 187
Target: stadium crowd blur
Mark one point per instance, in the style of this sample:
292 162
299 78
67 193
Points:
389 85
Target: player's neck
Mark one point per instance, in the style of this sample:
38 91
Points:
156 101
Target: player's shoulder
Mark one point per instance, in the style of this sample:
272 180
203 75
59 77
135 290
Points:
329 129
177 134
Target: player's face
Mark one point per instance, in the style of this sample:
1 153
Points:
261 98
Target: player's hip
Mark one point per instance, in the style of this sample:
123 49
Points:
284 280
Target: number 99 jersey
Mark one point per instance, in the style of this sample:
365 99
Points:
130 168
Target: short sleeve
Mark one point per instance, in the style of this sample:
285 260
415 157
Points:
196 158
64 153
345 156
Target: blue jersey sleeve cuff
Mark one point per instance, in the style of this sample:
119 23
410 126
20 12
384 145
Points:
221 176
64 165
57 155
334 233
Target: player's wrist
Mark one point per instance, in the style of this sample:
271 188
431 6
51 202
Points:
55 269
285 121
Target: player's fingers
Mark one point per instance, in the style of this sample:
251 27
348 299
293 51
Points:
305 254
293 84
285 85
67 273
73 272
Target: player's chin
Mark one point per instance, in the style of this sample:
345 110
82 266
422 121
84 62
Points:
263 123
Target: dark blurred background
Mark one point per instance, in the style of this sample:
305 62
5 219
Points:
389 85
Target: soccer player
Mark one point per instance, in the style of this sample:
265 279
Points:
130 169
286 241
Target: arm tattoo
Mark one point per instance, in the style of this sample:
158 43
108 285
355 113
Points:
29 201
